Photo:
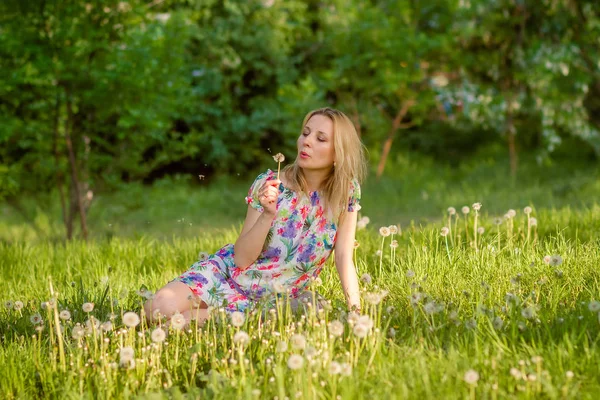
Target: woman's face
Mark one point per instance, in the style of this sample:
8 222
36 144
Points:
315 144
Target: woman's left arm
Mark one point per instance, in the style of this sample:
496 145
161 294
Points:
344 263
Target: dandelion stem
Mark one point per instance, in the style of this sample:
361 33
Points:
381 257
475 231
59 339
448 250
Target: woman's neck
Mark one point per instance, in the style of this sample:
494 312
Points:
315 179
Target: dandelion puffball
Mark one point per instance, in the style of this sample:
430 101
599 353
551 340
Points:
36 319
237 319
279 157
476 206
131 319
65 315
77 332
384 231
298 341
465 210
158 335
471 377
87 307
126 354
295 362
241 338
336 328
177 321
335 368
444 231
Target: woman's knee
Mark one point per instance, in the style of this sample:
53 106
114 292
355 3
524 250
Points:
172 298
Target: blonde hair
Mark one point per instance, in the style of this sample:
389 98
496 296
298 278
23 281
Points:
350 163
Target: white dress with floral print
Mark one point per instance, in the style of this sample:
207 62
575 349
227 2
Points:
297 246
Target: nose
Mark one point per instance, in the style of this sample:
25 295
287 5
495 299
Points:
307 140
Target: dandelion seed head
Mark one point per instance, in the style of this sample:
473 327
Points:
451 210
77 332
241 338
177 321
279 157
295 362
158 335
516 373
569 375
360 331
480 230
532 221
346 369
335 368
527 210
366 321
336 328
476 206
555 260
91 324
528 312
237 319
64 315
497 221
465 210
36 319
384 231
393 229
278 287
131 319
498 323
87 307
126 354
366 278
594 306
107 326
511 213
8 304
298 341
471 377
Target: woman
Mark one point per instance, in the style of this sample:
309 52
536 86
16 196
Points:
291 227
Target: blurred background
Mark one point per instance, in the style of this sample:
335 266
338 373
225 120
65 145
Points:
128 118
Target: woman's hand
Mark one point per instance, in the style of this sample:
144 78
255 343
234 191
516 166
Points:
267 196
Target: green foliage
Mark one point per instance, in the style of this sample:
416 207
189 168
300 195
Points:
212 87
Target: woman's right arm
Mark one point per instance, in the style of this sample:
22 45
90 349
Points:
249 244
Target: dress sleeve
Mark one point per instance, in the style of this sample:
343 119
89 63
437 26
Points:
252 198
354 196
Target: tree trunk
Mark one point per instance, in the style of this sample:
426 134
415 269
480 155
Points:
510 136
396 124
72 161
59 177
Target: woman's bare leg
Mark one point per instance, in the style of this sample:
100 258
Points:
174 297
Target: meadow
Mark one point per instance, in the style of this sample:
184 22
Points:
498 301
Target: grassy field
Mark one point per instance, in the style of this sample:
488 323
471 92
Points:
444 316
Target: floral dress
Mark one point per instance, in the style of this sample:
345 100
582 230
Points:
297 246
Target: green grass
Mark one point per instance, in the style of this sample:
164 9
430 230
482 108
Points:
427 356
440 318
